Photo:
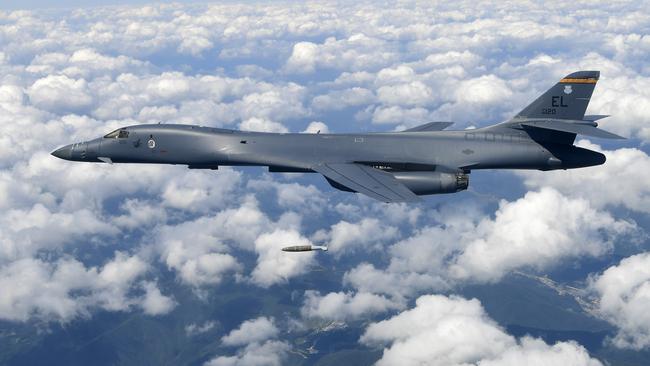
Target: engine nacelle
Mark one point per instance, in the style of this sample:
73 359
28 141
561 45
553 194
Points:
422 183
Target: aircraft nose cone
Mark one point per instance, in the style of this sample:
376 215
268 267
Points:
64 152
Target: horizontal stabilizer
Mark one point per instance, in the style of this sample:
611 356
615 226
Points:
431 126
594 117
577 128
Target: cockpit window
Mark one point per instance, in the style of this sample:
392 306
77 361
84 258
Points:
118 134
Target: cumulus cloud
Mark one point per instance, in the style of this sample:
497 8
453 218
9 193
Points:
623 94
261 348
623 293
269 353
138 213
367 234
25 231
254 330
345 305
195 329
483 90
341 99
85 62
66 289
397 114
262 125
303 57
413 93
621 181
356 52
76 75
316 127
295 196
195 99
200 190
534 232
198 249
442 330
154 302
273 265
470 65
60 93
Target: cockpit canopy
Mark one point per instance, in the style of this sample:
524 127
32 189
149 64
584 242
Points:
118 134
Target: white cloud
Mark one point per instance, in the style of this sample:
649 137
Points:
76 75
621 181
413 93
139 214
395 75
195 41
400 115
483 90
345 305
303 57
67 289
169 97
537 231
367 234
198 249
262 125
253 330
200 190
60 93
275 266
623 293
298 197
316 127
154 302
341 99
356 52
25 231
85 62
442 330
258 336
195 329
269 353
624 95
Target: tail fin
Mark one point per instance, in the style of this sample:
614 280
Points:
568 99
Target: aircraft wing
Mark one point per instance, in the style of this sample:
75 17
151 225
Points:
372 182
431 126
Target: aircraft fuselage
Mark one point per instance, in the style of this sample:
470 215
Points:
204 147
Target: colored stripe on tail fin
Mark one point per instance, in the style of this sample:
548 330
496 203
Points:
568 99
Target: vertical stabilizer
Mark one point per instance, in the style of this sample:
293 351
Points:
568 99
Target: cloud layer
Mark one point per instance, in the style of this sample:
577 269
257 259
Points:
533 232
76 74
442 330
623 293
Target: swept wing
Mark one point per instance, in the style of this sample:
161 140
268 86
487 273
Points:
431 126
367 180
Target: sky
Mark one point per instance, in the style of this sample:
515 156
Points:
83 239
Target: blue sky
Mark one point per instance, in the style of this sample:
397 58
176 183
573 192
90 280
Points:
84 239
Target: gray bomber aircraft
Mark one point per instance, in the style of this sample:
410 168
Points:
387 166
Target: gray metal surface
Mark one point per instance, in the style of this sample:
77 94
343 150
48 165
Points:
392 166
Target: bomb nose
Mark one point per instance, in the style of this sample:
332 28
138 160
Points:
64 153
